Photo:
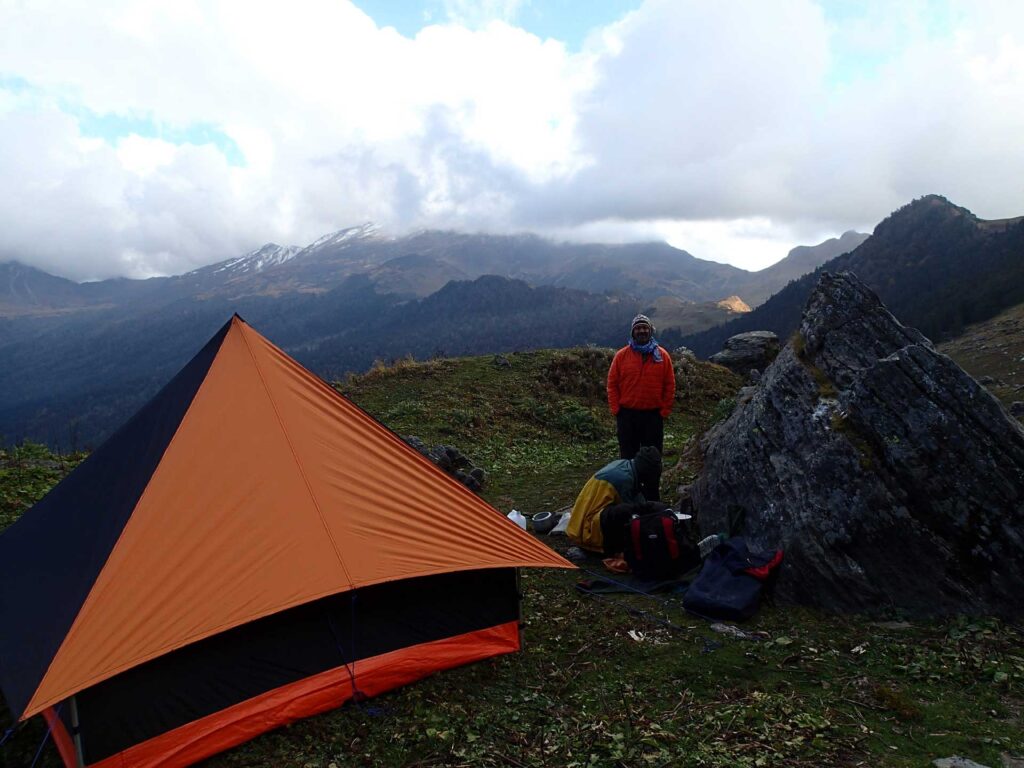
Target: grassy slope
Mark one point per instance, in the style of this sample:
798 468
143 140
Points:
538 424
689 317
994 348
634 681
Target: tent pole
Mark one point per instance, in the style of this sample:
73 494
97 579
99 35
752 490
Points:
76 733
519 608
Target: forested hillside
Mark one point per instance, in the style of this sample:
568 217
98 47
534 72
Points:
70 385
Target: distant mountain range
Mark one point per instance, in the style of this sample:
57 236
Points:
78 359
416 266
799 261
937 267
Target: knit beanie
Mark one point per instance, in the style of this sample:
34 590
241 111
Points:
641 319
647 462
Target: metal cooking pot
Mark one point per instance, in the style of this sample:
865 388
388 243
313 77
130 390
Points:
543 522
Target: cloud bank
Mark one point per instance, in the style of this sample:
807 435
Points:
141 138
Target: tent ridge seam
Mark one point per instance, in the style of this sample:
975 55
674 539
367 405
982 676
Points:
295 457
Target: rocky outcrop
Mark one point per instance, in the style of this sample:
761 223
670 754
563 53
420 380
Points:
746 352
890 477
452 461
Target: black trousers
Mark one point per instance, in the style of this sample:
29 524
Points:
636 429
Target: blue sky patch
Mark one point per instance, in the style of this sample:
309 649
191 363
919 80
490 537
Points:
14 84
111 127
566 20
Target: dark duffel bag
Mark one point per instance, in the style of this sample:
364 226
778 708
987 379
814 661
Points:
732 581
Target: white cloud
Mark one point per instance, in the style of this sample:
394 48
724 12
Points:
761 241
724 112
141 156
736 130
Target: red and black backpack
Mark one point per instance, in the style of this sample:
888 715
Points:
656 546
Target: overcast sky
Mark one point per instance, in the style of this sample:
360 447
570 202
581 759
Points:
141 138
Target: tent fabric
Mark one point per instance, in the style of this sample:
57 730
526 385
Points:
246 487
50 558
244 663
307 697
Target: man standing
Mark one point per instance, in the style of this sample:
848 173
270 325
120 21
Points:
641 390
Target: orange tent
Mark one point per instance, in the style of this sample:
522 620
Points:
250 548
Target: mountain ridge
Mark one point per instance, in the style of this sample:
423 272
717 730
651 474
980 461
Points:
936 265
417 265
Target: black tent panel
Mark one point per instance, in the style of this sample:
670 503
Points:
247 661
42 588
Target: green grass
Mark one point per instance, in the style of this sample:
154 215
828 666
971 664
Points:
27 472
994 348
629 680
539 425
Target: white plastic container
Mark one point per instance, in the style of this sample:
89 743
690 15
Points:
562 525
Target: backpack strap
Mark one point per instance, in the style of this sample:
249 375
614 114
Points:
634 530
667 523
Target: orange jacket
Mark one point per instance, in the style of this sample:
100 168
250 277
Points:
637 381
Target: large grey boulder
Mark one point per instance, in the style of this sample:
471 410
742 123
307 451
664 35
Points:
749 351
889 476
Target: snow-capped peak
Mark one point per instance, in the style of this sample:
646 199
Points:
345 236
266 256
